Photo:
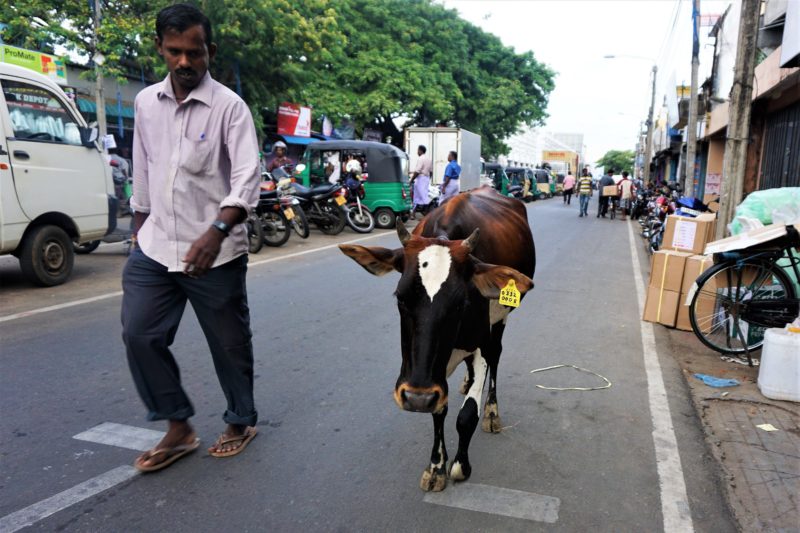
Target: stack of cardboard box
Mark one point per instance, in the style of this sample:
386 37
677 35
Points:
675 267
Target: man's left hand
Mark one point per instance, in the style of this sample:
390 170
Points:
203 253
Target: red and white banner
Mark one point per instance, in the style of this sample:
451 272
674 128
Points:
294 119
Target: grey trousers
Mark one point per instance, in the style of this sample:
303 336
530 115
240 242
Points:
153 302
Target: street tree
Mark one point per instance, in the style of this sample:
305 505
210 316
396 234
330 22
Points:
617 160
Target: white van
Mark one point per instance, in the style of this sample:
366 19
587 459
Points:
55 184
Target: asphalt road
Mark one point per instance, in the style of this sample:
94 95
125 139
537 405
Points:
334 453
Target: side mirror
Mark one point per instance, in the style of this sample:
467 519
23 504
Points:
88 136
299 168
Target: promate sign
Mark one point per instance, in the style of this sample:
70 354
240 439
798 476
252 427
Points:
51 66
294 119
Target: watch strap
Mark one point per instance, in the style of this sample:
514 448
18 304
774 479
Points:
221 226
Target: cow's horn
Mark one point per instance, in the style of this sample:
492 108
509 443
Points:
472 241
402 232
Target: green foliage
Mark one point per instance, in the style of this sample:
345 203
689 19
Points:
617 160
370 61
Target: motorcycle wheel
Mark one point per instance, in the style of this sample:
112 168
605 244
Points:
334 220
362 222
300 222
86 247
255 234
276 228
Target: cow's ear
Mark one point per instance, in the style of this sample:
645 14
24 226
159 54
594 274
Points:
491 278
375 260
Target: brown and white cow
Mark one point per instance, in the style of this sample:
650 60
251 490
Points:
452 269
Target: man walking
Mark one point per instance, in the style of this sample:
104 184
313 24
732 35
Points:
625 192
196 176
584 187
568 185
602 206
451 174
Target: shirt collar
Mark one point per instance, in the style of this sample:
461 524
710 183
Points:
202 93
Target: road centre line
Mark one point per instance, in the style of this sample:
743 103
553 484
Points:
497 500
130 437
41 510
674 500
66 305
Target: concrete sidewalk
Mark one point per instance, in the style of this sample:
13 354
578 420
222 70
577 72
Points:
760 469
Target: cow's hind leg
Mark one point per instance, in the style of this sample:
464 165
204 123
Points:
434 478
469 377
491 416
468 420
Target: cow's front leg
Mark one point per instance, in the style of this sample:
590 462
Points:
491 415
434 478
467 421
469 377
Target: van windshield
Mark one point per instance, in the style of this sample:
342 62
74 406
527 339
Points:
37 114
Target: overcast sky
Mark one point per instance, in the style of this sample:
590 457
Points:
606 99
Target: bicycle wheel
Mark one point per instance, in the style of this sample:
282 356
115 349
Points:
734 304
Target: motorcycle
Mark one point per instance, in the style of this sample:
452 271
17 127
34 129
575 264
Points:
322 205
358 217
284 186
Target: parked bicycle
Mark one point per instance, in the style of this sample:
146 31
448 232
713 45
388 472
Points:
744 293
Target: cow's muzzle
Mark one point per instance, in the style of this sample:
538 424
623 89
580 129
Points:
420 400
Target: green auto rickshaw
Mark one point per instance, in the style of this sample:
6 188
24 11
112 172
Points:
387 193
545 183
497 175
524 177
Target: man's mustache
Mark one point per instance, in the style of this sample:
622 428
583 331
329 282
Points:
185 72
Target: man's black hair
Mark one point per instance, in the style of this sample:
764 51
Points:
625 173
454 154
422 147
181 17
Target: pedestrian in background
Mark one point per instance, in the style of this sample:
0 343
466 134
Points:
196 177
568 187
584 187
452 173
602 205
625 191
424 167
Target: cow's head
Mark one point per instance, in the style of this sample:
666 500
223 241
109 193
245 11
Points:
441 283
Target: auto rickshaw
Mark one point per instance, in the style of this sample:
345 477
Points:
524 178
498 177
387 193
544 182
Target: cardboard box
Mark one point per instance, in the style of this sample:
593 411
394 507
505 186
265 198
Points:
705 307
661 306
610 190
695 265
666 269
688 234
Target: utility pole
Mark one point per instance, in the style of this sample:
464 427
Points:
649 141
738 132
97 57
691 137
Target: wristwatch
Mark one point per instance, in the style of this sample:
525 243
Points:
223 227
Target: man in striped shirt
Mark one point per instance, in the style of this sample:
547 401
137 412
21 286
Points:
584 186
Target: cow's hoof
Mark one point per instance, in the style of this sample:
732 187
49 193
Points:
460 472
433 480
491 419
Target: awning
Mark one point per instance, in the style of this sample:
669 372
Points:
89 106
291 139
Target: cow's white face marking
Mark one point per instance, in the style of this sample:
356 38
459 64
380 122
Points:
434 267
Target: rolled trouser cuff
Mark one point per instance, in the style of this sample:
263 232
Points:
232 418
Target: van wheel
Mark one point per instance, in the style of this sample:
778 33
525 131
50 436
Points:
47 256
384 218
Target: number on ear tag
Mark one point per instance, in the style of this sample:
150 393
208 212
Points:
509 295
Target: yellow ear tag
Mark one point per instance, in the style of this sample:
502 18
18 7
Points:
509 295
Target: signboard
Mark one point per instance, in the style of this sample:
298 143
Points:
294 119
713 182
50 66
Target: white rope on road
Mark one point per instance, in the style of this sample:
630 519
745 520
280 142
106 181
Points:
674 501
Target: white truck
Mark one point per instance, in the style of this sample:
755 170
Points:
56 187
440 142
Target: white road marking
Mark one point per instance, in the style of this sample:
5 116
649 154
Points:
674 501
434 267
130 437
41 510
497 500
66 305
